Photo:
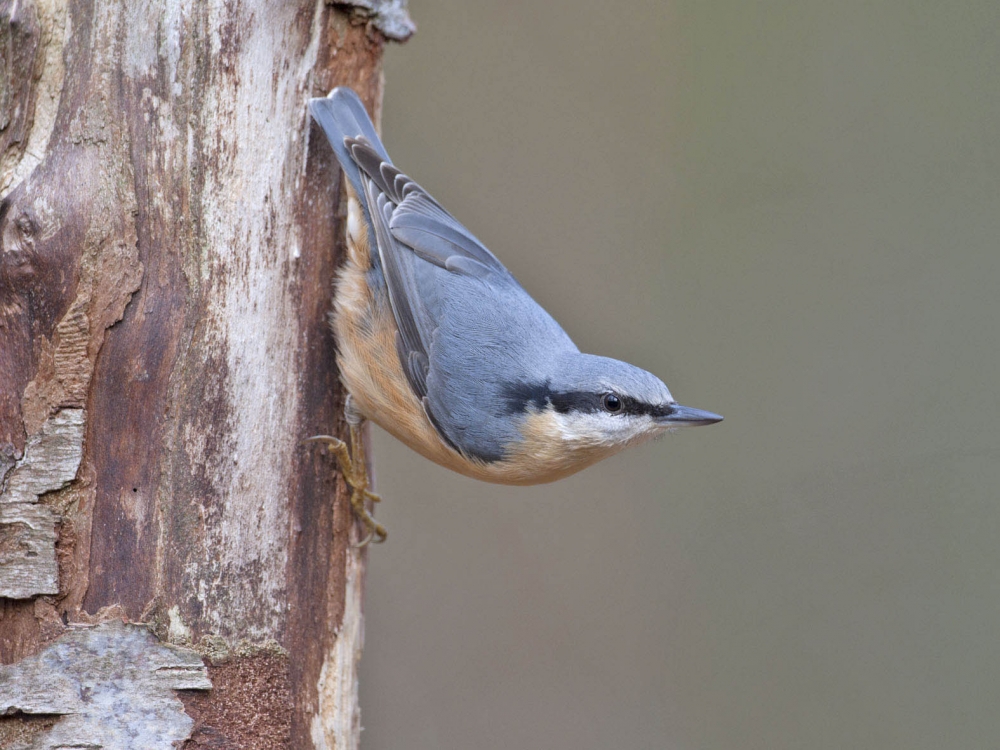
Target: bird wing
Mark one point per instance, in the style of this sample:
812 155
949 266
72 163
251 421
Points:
417 239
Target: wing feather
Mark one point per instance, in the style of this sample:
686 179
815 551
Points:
411 230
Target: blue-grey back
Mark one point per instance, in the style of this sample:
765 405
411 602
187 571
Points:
492 337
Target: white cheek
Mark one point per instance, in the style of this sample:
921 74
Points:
607 430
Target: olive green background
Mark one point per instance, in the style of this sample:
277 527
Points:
790 211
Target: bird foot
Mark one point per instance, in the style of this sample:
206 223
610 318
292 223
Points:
352 466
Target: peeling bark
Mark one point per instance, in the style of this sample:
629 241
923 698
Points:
167 247
27 551
110 686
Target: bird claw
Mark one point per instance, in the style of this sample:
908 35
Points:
351 461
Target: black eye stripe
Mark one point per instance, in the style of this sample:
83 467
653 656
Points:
521 397
569 401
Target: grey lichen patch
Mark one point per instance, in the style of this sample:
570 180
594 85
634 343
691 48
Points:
169 626
51 459
28 564
214 648
113 686
388 16
217 651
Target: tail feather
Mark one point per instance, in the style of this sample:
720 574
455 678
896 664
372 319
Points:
343 116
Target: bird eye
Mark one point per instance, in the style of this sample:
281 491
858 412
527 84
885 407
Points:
611 403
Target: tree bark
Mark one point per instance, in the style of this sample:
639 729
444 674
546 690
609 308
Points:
169 230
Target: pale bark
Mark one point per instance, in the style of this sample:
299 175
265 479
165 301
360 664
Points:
169 229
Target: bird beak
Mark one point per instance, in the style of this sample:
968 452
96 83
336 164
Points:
686 416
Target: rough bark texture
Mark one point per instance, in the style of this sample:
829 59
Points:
167 247
60 681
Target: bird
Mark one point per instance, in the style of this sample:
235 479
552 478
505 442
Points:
439 345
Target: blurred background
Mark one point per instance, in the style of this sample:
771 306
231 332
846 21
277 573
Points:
789 211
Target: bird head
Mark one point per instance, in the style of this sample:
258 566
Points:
601 405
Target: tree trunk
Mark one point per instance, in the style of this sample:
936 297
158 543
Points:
168 241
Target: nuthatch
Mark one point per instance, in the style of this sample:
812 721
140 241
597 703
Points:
439 344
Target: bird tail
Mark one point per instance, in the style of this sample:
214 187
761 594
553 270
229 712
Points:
342 116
